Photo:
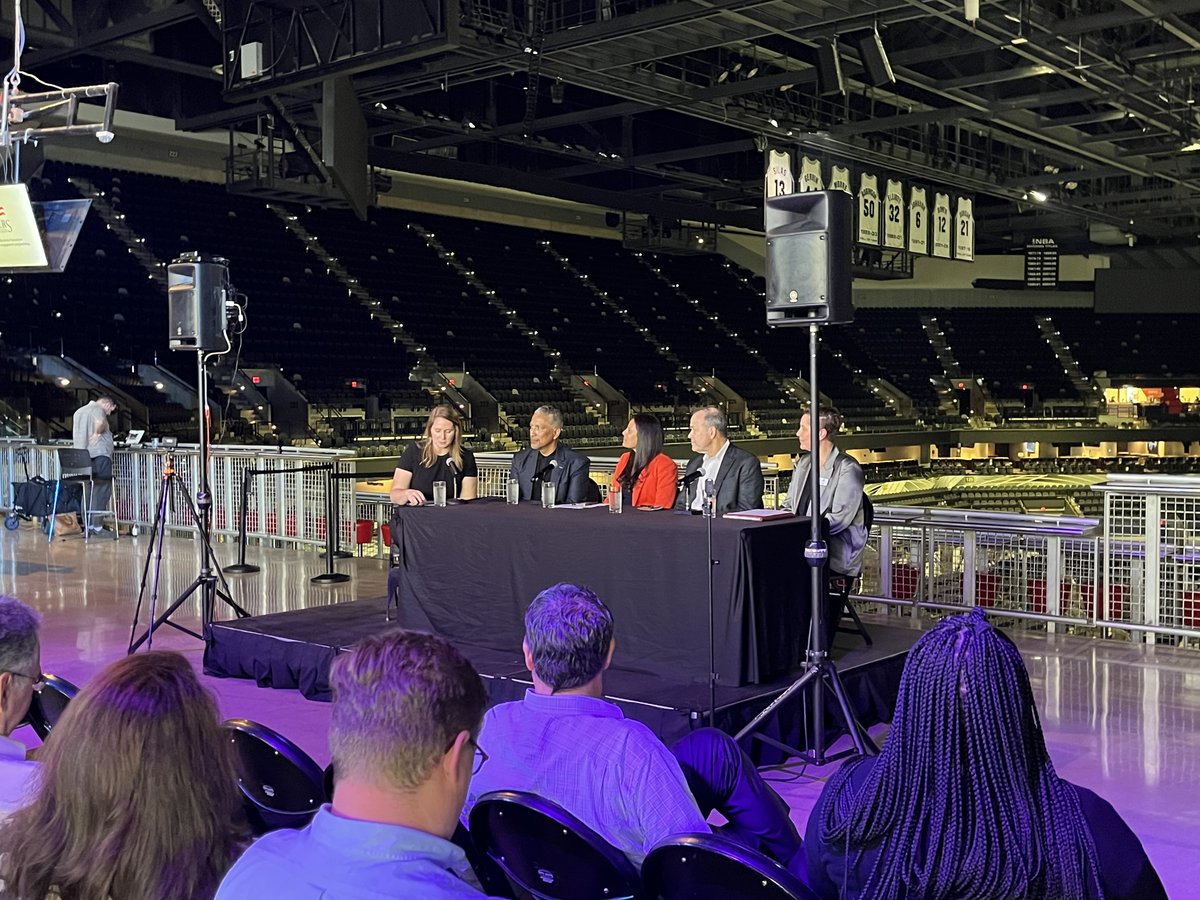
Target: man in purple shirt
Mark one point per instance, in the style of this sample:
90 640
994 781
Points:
565 743
406 707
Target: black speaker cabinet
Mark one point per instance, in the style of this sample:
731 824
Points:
808 259
196 290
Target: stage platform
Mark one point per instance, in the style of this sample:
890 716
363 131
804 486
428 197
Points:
293 650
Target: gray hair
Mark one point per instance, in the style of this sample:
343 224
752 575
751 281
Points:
568 630
399 700
18 635
715 418
550 413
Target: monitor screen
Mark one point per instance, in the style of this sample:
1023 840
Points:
37 237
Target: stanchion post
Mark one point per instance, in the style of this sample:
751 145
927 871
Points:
241 567
329 576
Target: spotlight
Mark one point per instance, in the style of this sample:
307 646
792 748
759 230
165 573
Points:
1039 196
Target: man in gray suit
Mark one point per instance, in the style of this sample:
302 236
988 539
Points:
736 474
841 492
548 459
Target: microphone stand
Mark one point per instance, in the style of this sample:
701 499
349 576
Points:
710 513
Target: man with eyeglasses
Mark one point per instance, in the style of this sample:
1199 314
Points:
20 679
406 709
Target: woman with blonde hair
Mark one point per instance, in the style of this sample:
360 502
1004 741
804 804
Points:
138 796
438 456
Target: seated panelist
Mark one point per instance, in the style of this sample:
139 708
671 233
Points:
735 473
438 456
548 459
645 474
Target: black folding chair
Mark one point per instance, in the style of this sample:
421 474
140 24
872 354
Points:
47 705
75 467
281 785
703 866
840 586
549 853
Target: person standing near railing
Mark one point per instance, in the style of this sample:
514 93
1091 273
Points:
90 432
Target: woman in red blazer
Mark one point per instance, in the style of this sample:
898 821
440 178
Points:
645 470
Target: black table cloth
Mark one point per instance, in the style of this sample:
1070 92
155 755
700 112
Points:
469 571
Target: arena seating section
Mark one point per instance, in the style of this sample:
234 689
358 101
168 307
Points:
472 291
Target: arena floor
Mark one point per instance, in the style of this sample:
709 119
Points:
1120 718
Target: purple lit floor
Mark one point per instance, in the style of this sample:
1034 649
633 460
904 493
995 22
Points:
1120 718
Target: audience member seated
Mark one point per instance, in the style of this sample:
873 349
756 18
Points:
645 475
20 677
438 456
842 483
406 709
564 742
138 796
964 800
736 474
549 459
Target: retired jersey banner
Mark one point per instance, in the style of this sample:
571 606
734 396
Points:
964 230
779 179
868 209
918 222
943 227
893 215
810 175
839 180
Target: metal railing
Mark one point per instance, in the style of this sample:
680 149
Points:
1152 553
1056 571
288 507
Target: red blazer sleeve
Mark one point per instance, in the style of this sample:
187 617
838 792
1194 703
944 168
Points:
657 486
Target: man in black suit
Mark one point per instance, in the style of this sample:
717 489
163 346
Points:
548 459
736 474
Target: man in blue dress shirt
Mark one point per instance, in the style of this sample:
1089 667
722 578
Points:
406 709
566 743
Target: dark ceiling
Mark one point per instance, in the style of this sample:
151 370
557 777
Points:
665 106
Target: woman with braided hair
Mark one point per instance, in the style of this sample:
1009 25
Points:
963 801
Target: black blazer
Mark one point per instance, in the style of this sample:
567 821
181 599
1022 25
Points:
569 475
739 482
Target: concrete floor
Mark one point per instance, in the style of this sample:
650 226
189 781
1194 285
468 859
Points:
1120 717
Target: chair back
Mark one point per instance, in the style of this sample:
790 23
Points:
281 784
74 463
868 511
699 866
549 853
47 707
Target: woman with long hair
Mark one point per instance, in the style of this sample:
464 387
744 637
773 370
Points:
438 456
138 796
645 474
963 801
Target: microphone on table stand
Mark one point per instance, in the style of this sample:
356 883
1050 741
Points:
453 478
686 481
710 498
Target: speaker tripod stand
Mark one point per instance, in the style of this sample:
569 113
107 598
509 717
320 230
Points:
200 509
820 672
